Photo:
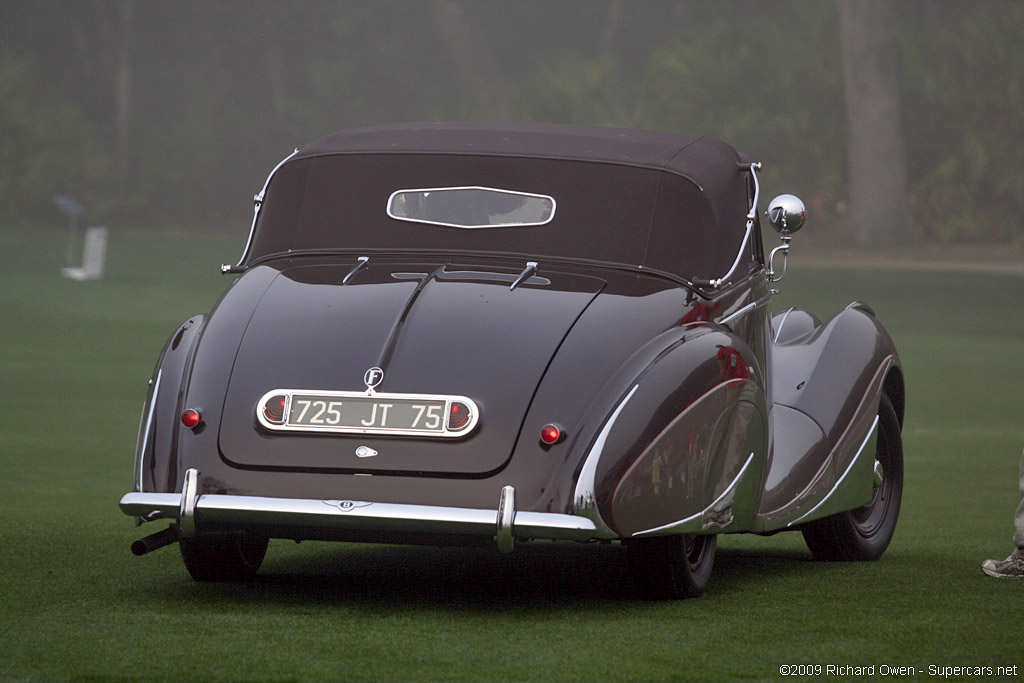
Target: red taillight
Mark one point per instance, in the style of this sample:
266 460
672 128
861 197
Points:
459 415
550 434
191 418
273 409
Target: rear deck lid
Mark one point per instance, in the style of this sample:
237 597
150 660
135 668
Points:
455 331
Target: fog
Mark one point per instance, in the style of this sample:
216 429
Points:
895 122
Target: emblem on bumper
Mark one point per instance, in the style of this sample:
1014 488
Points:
347 505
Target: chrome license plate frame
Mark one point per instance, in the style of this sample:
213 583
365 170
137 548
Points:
319 411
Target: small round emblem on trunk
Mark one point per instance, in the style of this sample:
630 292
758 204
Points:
373 377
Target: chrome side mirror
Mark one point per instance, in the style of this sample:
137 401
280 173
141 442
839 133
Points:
787 214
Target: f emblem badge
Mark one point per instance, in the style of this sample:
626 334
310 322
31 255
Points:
373 377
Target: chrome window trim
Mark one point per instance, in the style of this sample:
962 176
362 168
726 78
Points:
474 410
551 216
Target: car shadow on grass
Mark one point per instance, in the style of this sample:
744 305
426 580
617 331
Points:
536 574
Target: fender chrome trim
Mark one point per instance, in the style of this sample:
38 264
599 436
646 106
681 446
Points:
778 330
585 496
871 432
696 522
146 426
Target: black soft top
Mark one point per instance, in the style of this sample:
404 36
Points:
660 200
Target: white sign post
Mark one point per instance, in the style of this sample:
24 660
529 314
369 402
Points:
93 255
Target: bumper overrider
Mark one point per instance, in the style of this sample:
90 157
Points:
301 518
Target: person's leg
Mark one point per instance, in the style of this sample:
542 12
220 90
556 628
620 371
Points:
1018 519
1013 566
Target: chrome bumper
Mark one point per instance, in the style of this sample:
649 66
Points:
194 513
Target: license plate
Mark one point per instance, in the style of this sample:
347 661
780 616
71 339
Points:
429 415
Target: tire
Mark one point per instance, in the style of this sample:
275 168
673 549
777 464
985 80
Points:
672 567
230 557
865 533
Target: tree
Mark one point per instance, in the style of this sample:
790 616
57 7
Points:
46 147
879 210
962 90
478 76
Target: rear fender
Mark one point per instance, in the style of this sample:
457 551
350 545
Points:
683 441
835 377
156 447
826 374
845 479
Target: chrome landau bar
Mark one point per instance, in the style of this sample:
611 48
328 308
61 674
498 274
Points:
751 218
257 204
504 523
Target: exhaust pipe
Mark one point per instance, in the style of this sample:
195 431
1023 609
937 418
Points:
156 541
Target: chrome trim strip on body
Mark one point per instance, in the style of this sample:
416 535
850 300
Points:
474 410
860 306
257 205
751 217
584 496
347 515
778 330
695 522
551 216
479 276
749 308
144 440
835 487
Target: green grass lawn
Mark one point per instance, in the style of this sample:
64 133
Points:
75 604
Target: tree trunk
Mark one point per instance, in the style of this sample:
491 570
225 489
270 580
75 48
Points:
879 212
611 26
475 70
123 88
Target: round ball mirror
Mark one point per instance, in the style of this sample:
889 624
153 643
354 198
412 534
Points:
787 214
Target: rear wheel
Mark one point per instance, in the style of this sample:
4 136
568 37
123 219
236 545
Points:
230 557
864 533
672 567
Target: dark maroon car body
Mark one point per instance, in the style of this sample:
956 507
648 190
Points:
634 317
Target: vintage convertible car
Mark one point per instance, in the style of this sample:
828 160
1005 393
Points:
455 334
